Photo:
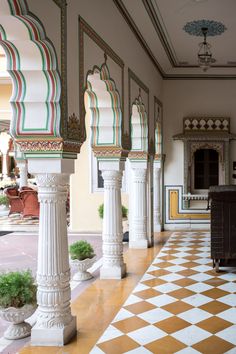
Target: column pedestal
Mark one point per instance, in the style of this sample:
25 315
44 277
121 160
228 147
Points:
55 325
138 198
113 263
22 165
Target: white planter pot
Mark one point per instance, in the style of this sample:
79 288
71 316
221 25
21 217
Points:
19 328
82 267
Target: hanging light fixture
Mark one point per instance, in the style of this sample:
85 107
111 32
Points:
204 55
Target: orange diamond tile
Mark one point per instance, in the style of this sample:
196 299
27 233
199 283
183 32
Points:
172 324
214 324
184 282
130 324
118 345
140 307
214 307
148 293
191 264
181 293
153 282
177 307
165 345
214 345
215 293
191 258
215 281
163 264
159 272
187 272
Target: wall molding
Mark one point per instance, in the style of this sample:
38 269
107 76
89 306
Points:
85 28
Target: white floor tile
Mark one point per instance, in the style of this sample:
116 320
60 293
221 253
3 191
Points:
199 287
228 276
166 288
228 315
140 287
197 300
228 299
178 261
146 334
96 350
194 315
155 315
132 299
175 268
191 335
200 277
122 315
202 268
171 277
228 334
161 300
140 350
188 350
230 287
110 333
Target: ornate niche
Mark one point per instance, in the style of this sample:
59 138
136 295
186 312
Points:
201 133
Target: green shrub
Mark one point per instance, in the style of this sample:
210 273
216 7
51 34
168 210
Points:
81 250
101 208
17 289
3 200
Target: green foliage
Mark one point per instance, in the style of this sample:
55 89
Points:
17 289
3 200
81 250
101 208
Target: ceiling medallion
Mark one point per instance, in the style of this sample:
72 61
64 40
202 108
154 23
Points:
214 28
204 28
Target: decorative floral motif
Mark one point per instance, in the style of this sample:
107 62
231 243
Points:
194 28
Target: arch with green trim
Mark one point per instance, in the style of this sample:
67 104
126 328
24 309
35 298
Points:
102 102
32 65
139 127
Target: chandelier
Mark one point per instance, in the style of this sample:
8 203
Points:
204 54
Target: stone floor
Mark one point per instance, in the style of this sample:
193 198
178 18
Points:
171 301
18 251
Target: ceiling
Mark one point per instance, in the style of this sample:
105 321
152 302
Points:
158 25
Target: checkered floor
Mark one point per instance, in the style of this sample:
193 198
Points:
16 219
181 305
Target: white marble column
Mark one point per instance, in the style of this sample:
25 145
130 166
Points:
113 263
4 147
23 169
4 165
55 325
138 197
157 198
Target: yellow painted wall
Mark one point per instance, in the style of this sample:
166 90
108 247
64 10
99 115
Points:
84 205
5 94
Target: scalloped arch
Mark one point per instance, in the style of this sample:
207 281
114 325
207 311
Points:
139 127
102 101
32 65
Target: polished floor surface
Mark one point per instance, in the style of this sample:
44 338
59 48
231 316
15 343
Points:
171 302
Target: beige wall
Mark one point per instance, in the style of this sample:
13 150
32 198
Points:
5 108
106 20
184 98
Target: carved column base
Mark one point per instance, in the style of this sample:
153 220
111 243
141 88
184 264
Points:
138 244
53 336
113 272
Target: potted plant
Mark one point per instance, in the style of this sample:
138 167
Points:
82 256
4 202
124 211
17 302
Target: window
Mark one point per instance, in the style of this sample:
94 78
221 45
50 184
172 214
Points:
206 168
